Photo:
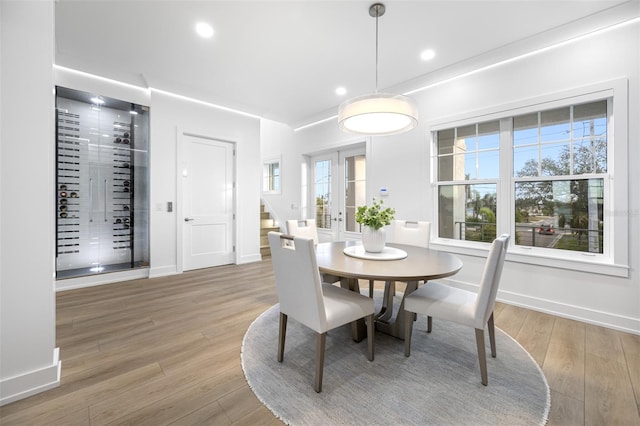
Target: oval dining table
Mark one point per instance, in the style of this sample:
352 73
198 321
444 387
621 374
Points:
420 264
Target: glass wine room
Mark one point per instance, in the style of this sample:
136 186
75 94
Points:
102 184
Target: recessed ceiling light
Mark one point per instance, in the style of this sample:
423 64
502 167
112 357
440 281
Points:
427 54
204 30
341 91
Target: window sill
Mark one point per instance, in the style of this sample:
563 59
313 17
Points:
528 256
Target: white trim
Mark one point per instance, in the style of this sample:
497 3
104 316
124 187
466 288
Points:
563 310
533 256
33 382
163 271
250 258
614 261
180 165
272 160
100 279
574 95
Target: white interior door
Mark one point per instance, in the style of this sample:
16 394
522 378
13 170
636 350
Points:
208 206
338 186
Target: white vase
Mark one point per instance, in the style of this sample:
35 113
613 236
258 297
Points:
373 240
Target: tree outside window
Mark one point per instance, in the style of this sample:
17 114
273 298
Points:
560 170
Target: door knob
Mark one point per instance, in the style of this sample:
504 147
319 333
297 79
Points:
188 219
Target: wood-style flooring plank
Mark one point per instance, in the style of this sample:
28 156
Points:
631 348
565 411
57 408
535 333
510 319
564 364
166 350
609 397
190 398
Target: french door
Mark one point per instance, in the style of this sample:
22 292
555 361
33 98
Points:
338 186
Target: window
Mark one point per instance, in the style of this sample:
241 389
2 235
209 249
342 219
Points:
468 172
271 177
541 170
560 166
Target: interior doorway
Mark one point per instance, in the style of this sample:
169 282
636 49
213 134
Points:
208 197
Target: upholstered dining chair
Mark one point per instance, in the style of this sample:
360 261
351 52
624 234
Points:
302 296
462 306
303 228
307 228
410 233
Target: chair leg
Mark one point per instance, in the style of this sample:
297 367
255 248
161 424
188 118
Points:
320 341
492 336
371 336
429 324
482 356
281 336
371 288
408 328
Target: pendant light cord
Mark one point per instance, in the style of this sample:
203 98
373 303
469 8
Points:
377 15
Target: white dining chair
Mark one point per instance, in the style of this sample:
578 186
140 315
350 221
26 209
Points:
413 233
307 228
302 296
462 306
303 228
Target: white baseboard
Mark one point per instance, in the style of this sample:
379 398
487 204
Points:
163 271
93 280
31 383
249 259
564 310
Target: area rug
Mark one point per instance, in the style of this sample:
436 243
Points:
439 384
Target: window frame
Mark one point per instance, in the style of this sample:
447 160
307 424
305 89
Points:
268 177
614 260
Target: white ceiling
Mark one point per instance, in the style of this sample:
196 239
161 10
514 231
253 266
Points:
283 60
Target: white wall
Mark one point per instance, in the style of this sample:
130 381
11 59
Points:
168 114
286 205
401 163
28 356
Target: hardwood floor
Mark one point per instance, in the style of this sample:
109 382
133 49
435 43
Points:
167 351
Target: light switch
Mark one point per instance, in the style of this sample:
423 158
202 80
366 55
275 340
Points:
169 206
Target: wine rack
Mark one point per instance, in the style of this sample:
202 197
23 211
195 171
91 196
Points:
96 200
122 186
67 194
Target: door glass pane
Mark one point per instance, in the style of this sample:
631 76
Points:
354 191
322 193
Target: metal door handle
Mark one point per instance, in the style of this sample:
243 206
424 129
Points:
188 219
106 186
90 200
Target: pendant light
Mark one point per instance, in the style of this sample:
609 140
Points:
378 113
